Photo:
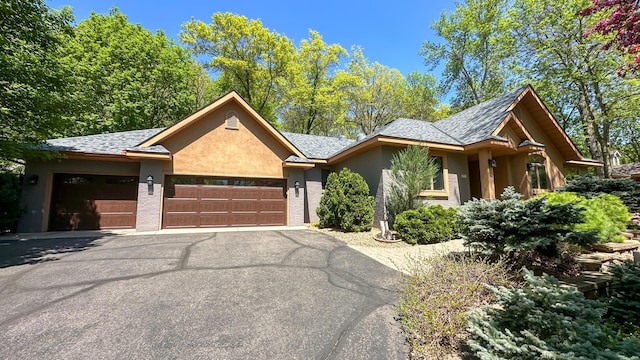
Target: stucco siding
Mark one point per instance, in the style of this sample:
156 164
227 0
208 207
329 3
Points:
36 199
555 160
211 148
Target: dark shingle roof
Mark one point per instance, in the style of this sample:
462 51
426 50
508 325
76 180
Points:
113 143
626 170
477 123
315 146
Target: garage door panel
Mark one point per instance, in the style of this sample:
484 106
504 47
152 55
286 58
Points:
214 220
181 205
215 192
91 202
180 221
223 202
184 191
207 206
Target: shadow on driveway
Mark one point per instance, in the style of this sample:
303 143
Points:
34 251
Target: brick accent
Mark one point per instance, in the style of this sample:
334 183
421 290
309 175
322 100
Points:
296 201
149 213
313 182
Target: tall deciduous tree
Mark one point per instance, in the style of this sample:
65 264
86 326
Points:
422 98
475 48
558 59
247 57
311 102
374 93
32 80
127 78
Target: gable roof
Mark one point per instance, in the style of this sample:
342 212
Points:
478 123
193 118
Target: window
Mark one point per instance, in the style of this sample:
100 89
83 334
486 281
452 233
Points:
220 182
437 182
538 174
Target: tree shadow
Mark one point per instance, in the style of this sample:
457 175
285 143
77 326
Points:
22 252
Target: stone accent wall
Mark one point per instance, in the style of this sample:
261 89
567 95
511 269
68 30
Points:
313 192
296 201
149 212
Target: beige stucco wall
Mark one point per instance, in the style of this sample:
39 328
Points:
555 161
36 199
208 147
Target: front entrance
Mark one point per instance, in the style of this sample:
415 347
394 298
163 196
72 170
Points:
205 202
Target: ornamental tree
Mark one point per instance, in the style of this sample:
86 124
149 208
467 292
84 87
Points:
624 23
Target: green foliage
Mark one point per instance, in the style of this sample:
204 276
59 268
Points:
589 186
604 214
427 225
310 100
10 209
574 74
248 57
475 49
127 78
436 297
624 305
33 82
374 93
412 170
545 321
346 203
510 226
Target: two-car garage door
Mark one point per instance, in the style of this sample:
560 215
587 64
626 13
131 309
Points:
198 201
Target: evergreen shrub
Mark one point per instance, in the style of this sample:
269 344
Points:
589 186
10 194
624 304
346 203
545 321
510 226
427 225
604 214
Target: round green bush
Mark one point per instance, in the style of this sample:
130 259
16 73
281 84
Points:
346 203
427 225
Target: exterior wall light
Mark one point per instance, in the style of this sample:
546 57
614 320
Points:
529 166
296 185
33 180
150 184
493 163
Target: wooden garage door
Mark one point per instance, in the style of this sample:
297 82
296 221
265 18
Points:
191 202
91 202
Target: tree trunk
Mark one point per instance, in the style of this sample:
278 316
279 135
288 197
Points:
588 125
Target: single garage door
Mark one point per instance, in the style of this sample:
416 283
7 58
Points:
91 202
196 201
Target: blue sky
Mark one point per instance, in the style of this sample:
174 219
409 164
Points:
391 32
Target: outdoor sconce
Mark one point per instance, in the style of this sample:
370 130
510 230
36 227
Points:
33 180
296 185
529 166
150 184
493 163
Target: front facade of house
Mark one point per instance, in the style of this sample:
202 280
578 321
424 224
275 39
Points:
225 166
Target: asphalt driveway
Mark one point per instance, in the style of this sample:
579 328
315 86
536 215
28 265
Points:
229 295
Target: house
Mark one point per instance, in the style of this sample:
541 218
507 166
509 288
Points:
225 166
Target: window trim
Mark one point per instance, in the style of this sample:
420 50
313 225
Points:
445 177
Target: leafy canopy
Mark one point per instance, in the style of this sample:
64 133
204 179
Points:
33 82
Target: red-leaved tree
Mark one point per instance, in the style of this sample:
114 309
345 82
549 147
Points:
624 23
